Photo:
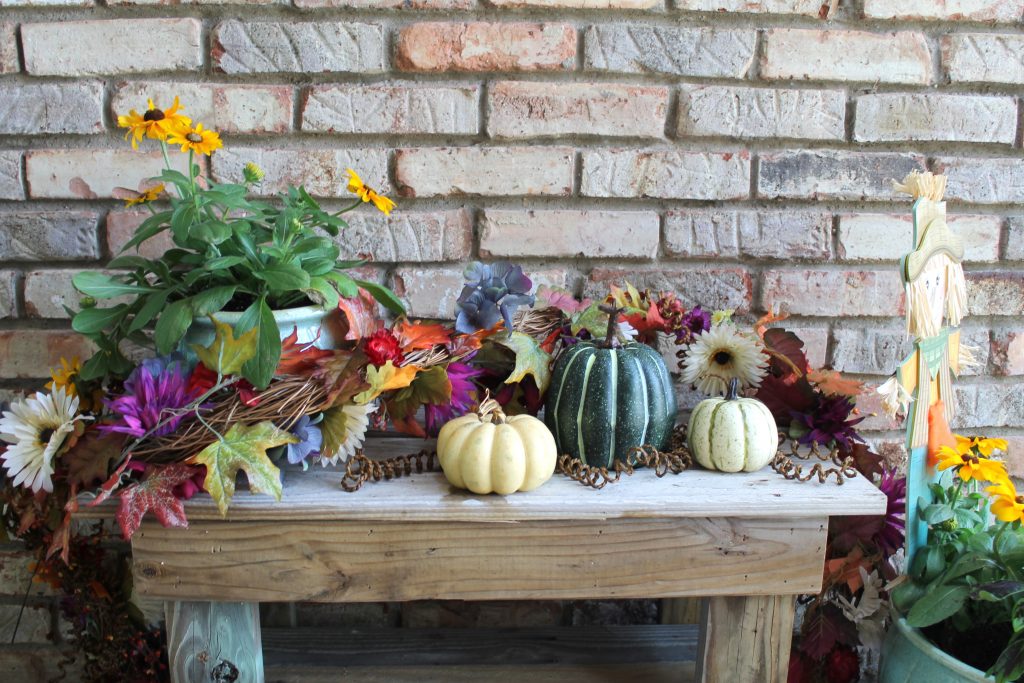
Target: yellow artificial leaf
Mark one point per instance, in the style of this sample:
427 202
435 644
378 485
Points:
242 448
530 360
385 378
226 355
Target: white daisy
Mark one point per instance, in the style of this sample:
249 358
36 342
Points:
356 422
36 428
721 354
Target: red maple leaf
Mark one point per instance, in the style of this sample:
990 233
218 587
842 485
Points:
296 358
154 494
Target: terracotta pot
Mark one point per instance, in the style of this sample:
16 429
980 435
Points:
909 657
310 320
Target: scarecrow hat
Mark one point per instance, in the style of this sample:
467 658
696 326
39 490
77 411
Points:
936 238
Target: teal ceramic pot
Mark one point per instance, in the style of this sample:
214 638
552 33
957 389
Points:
909 657
309 320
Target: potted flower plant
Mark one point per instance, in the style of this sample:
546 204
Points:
269 267
963 602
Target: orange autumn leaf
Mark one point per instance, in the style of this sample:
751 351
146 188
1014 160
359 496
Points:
846 570
767 319
464 344
834 384
296 358
418 335
360 315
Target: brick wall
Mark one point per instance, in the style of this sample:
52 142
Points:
737 151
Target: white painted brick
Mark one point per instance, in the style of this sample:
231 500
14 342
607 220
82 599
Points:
715 288
408 236
9 62
115 46
839 55
299 47
48 235
988 404
984 57
436 46
395 109
828 174
995 292
711 110
93 173
8 294
225 108
705 52
197 2
833 293
576 4
387 4
666 174
970 10
879 350
495 171
815 341
11 185
47 292
322 171
46 3
38 108
567 233
807 8
983 181
719 233
935 117
530 110
884 237
431 292
1015 239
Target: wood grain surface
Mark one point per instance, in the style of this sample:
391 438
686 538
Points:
354 561
214 641
317 495
746 639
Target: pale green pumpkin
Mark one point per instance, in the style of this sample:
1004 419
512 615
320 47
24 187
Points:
733 434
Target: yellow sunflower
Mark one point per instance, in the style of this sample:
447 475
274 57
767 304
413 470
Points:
357 186
64 376
156 123
971 466
1008 505
196 140
985 446
152 194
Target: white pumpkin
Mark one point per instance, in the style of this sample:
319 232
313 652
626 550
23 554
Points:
733 434
489 452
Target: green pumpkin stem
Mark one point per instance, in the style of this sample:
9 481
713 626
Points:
734 390
611 339
490 409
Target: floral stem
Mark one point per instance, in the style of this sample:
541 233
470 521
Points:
354 204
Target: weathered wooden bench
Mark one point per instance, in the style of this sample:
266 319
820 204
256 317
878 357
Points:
748 543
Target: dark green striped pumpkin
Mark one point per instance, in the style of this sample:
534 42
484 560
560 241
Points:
603 401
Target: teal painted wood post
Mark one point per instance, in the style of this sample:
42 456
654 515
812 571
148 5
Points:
216 642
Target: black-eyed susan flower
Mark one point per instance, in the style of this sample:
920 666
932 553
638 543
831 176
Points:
984 445
252 173
358 187
145 197
1007 504
196 139
156 123
971 466
64 376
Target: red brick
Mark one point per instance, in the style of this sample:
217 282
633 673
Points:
222 107
26 354
480 46
715 288
833 293
121 225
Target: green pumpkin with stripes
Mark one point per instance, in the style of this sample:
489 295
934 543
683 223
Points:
605 399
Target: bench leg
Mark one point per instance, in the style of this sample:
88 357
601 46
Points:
214 641
746 639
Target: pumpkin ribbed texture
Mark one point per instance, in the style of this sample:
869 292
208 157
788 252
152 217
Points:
732 435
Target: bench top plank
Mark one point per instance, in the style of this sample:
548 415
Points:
316 495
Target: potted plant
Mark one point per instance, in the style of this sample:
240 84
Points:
962 605
262 266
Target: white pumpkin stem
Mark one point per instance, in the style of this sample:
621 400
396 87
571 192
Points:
491 410
734 390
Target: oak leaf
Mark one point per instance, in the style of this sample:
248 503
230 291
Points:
531 359
155 493
225 354
243 448
385 378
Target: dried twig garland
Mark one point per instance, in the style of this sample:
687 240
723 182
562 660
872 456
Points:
786 464
360 469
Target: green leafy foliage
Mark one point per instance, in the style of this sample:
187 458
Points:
530 360
229 251
226 355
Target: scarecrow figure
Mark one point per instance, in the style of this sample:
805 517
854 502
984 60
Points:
922 386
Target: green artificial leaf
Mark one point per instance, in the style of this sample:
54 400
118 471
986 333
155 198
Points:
592 319
383 295
213 300
335 425
226 355
153 304
129 262
153 225
172 325
283 277
322 292
429 386
386 377
937 604
242 448
260 368
223 262
530 360
102 286
94 320
936 513
345 285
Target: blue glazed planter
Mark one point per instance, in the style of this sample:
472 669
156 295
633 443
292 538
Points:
909 657
308 319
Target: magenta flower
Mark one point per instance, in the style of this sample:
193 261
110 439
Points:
153 395
695 323
890 536
828 422
461 375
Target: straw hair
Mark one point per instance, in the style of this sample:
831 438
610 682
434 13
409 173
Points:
922 185
919 313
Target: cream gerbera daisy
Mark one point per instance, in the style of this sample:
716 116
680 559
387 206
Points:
721 354
37 428
356 421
